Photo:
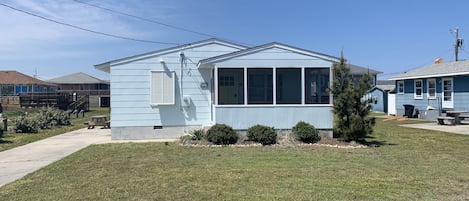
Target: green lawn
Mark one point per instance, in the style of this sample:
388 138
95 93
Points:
410 164
11 139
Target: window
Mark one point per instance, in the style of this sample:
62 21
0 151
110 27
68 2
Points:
418 85
230 86
260 86
400 87
431 88
288 83
316 85
163 89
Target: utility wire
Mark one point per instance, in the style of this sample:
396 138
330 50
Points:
145 19
85 29
154 21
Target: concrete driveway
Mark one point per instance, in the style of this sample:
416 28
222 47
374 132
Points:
459 129
17 162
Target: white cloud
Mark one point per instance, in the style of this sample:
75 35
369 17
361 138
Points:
24 36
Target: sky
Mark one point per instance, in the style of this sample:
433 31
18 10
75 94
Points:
388 36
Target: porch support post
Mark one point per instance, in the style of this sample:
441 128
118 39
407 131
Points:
215 84
303 87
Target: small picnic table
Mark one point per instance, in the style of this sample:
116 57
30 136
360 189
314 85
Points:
99 120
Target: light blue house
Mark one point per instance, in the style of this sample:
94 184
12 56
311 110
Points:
434 88
165 93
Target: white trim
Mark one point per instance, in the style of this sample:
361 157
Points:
175 49
303 89
450 103
415 89
215 83
403 87
274 88
429 76
260 48
274 85
428 88
273 106
245 85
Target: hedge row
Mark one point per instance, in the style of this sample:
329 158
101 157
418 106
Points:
222 134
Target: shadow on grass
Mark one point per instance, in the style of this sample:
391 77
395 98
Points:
371 142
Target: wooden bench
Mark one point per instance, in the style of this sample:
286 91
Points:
441 120
463 116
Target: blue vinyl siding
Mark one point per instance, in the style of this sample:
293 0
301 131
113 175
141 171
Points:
460 95
131 82
284 117
378 105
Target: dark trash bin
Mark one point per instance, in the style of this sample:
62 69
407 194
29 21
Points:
409 110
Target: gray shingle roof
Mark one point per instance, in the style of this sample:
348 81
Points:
436 70
76 78
358 70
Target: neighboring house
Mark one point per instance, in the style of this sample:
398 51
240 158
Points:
82 84
434 88
357 72
381 97
12 83
164 93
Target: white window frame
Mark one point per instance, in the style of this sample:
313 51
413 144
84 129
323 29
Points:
429 96
403 87
163 88
415 89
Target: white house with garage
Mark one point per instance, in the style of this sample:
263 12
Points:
165 93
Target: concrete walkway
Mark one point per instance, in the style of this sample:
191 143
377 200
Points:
17 162
459 129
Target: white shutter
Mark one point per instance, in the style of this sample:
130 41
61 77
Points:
163 89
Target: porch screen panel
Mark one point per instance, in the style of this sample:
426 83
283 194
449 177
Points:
316 85
230 86
288 84
260 86
163 88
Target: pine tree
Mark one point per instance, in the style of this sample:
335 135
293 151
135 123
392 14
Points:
352 121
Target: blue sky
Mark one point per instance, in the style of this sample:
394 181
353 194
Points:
389 36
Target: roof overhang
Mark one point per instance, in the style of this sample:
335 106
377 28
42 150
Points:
106 66
429 76
210 61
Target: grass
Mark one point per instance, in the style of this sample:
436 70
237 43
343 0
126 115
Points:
410 164
11 139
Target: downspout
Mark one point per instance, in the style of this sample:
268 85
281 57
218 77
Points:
181 54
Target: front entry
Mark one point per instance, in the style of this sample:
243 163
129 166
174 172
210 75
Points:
447 93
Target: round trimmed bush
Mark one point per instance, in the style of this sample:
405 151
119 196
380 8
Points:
222 134
306 132
262 134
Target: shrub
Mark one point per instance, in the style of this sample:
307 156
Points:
50 117
305 132
262 134
27 124
197 134
222 134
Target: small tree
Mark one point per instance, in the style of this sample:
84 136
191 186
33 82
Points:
350 108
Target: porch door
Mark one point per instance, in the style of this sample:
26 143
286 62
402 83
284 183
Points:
230 86
447 93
